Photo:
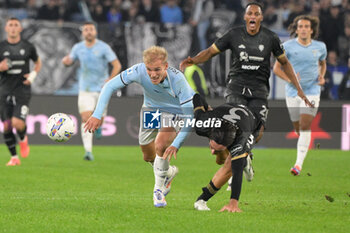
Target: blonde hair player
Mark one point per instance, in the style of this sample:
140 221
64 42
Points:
167 95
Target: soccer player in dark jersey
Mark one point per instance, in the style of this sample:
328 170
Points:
15 87
248 80
236 136
251 46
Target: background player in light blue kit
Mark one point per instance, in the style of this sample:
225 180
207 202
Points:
165 90
94 56
308 58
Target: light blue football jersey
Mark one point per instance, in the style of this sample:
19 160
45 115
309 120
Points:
304 60
93 70
173 95
167 96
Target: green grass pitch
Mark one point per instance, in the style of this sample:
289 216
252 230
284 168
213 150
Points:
54 190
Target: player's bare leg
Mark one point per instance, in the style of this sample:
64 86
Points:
261 133
223 174
18 124
221 156
149 152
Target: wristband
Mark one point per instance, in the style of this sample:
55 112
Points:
9 63
32 76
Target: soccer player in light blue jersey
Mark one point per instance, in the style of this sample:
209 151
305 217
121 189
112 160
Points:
94 56
308 58
165 91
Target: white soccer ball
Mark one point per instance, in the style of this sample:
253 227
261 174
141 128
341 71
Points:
60 127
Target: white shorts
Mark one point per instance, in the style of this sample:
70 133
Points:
87 102
296 106
147 136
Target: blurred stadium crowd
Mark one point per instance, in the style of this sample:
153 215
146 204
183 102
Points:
334 18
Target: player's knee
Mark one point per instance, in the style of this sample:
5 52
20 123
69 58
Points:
85 116
219 161
305 126
84 119
18 124
221 157
147 158
148 152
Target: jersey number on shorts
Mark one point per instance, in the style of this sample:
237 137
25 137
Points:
250 141
24 111
233 116
264 112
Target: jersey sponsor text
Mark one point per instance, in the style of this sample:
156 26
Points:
250 67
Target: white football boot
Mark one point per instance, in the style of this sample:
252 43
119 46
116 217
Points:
159 198
248 170
201 205
229 184
173 170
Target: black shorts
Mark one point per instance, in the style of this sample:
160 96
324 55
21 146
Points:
258 106
14 106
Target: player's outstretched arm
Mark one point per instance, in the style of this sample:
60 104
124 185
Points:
105 95
201 57
185 63
187 110
92 124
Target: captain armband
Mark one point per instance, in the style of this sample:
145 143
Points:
199 108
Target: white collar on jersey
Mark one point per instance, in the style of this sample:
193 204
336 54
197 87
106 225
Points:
171 92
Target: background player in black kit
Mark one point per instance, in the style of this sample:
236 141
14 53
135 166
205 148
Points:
15 90
236 136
